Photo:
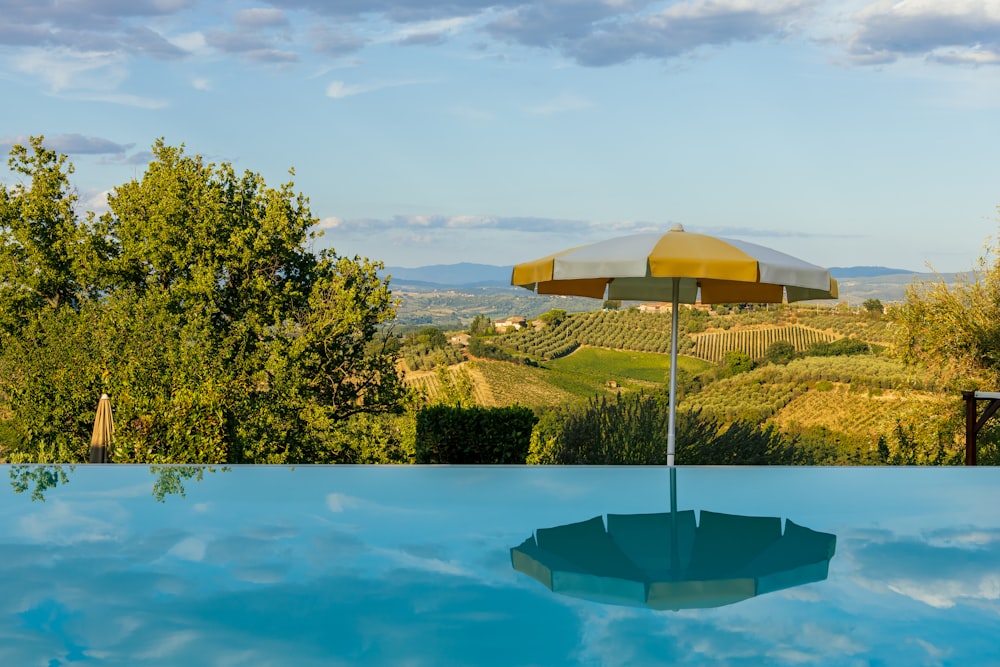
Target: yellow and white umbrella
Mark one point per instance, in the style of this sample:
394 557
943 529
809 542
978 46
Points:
679 267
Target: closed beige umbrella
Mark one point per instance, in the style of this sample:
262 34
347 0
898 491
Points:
104 431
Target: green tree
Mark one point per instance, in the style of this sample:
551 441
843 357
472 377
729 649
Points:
481 326
428 337
735 362
48 257
779 352
955 328
456 388
198 305
873 306
553 317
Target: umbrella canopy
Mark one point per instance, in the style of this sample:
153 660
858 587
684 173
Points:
104 431
679 267
668 561
648 266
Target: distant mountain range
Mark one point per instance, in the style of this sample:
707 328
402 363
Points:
857 283
464 274
467 274
839 272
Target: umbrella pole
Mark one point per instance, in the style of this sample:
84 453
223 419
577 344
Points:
673 370
673 493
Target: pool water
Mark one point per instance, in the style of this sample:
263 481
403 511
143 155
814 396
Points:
397 565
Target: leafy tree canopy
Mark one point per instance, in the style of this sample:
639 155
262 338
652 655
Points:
481 325
873 306
735 362
197 303
955 328
779 352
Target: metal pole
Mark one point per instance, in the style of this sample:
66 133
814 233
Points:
675 556
671 423
673 490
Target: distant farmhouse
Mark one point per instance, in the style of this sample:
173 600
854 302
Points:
515 322
665 307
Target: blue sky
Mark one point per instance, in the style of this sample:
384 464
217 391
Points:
495 131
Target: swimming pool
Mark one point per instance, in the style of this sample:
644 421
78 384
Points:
386 565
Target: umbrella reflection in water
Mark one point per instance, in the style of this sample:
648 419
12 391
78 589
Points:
670 561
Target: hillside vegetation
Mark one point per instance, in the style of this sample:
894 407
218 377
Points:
840 390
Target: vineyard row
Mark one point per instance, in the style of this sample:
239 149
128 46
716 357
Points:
754 342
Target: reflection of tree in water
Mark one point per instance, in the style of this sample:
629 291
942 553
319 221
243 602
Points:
169 479
38 478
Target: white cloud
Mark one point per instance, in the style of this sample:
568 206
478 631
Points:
340 89
190 548
944 569
84 75
435 565
601 34
470 221
96 201
946 593
201 83
168 645
193 42
64 523
260 17
561 104
429 31
975 56
330 222
124 99
959 32
63 69
338 502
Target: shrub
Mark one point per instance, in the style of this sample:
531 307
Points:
632 430
844 346
473 435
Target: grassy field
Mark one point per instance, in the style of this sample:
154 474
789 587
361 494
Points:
624 367
579 376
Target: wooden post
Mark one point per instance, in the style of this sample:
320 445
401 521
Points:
970 427
974 425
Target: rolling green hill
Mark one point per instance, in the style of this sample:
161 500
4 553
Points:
857 399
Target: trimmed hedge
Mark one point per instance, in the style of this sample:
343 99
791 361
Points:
475 435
